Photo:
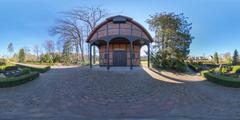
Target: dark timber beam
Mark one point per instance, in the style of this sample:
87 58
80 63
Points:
90 53
148 54
108 66
131 60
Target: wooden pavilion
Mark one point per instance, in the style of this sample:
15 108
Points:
119 39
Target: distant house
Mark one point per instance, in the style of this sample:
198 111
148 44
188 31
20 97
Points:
199 58
119 39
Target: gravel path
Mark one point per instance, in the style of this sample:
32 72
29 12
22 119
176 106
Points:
83 93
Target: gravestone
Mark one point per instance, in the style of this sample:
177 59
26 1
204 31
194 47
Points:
17 73
2 75
8 73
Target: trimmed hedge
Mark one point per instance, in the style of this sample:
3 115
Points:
221 80
199 67
7 66
41 70
3 62
14 81
194 68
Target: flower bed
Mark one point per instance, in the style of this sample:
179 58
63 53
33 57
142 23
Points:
19 74
14 81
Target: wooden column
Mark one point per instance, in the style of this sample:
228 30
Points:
131 53
90 53
108 66
148 54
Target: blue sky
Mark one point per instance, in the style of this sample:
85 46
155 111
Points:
216 25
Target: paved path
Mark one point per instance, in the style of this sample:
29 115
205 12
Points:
83 93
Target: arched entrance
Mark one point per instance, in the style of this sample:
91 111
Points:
119 51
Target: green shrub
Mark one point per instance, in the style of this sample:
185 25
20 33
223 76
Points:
9 68
2 67
2 62
195 68
180 66
223 70
156 59
174 64
221 79
14 81
204 72
47 58
56 58
235 69
26 71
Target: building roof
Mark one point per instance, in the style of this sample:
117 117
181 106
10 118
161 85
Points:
119 18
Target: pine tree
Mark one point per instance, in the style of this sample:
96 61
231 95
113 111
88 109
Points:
21 56
10 48
216 58
235 59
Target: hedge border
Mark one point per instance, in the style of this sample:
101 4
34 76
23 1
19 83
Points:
41 70
194 68
14 81
221 80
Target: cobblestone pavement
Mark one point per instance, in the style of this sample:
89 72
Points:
83 93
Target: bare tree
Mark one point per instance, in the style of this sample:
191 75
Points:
36 50
27 53
49 46
76 25
26 50
90 16
227 57
59 46
69 30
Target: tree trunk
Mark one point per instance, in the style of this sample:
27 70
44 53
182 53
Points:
82 51
82 55
83 59
77 51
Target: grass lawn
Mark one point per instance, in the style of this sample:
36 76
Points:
144 63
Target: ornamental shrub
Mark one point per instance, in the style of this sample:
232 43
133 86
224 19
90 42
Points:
2 62
235 69
26 71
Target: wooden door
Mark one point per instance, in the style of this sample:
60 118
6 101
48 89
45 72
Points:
120 58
